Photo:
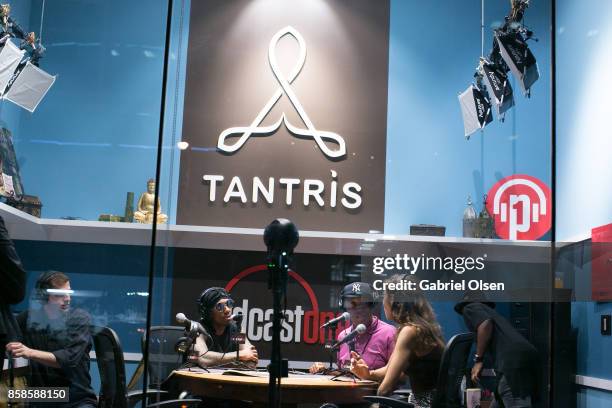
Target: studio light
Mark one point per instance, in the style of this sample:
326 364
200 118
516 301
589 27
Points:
475 109
518 57
510 53
10 57
29 87
497 85
21 80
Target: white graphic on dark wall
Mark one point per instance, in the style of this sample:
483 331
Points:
245 132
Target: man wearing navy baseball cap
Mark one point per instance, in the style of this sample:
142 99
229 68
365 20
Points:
376 344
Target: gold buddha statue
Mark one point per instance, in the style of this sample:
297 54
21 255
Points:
5 12
146 204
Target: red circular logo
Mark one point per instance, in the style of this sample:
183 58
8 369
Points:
521 207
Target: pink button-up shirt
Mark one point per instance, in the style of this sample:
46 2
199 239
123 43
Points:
375 345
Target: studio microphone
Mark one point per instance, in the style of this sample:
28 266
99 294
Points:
237 317
190 325
360 329
192 329
334 322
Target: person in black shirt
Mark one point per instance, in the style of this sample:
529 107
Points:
418 348
218 348
515 359
12 290
57 341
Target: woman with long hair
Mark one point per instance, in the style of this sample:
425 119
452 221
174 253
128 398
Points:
418 347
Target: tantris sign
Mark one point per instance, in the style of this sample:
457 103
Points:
287 121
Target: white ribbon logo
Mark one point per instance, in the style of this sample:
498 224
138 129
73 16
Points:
255 129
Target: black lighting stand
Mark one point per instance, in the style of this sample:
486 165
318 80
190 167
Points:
328 345
238 338
280 237
278 367
333 352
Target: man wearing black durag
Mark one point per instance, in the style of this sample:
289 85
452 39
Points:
219 347
514 358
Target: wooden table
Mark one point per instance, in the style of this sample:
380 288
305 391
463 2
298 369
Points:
296 389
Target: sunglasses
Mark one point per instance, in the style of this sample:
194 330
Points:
219 307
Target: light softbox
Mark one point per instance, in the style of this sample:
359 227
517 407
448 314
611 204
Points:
475 109
30 87
10 56
498 87
518 57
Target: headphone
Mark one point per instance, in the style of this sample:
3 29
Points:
205 309
43 283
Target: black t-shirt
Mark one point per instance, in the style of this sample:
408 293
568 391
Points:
513 355
68 338
223 343
423 371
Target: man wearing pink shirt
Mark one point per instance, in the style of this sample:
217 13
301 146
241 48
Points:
377 343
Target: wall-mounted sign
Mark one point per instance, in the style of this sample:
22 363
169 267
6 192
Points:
312 296
601 263
286 117
521 207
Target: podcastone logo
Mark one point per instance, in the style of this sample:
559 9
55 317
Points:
298 325
521 207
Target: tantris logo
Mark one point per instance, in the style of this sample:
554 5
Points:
254 129
521 207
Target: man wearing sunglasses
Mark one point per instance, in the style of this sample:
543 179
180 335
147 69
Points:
376 344
220 347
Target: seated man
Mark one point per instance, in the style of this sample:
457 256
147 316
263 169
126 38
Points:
57 341
219 347
376 344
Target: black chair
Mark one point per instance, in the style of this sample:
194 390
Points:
113 390
163 357
453 368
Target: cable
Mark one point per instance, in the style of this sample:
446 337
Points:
481 57
42 19
481 28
